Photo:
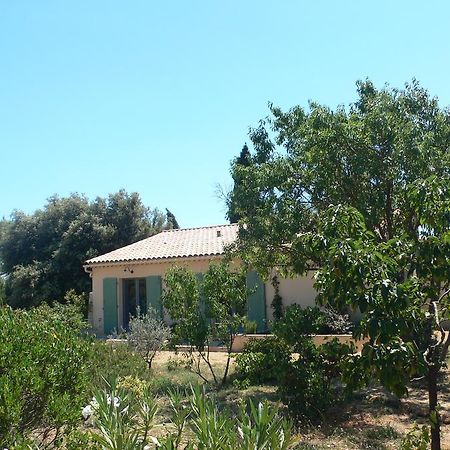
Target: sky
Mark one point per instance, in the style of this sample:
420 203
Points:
158 97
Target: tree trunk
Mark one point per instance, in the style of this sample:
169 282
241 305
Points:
434 413
224 379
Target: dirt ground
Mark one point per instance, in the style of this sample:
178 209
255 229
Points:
373 419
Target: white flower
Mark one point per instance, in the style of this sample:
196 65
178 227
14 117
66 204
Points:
241 433
114 401
94 403
154 440
87 412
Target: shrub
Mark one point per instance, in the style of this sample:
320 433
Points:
262 360
299 321
335 322
112 360
78 301
147 335
43 370
304 385
416 439
334 354
250 326
277 302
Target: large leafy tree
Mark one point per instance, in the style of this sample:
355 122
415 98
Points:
360 194
364 156
401 287
42 253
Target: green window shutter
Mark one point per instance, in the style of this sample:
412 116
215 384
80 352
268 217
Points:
256 302
110 320
199 277
154 293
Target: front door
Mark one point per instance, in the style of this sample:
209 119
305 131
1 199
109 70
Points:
134 297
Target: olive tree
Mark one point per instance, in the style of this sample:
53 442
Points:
147 335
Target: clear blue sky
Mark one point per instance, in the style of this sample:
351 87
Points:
157 97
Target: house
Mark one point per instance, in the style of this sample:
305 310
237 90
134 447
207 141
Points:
132 276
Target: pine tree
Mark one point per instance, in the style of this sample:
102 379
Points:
171 220
244 159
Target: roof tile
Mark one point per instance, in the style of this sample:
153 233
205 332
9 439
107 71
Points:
180 243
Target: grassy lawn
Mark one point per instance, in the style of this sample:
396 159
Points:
371 419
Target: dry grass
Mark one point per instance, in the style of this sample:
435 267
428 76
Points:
373 419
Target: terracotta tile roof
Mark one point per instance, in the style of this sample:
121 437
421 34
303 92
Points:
181 243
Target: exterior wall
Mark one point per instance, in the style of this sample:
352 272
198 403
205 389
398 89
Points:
296 290
139 271
292 290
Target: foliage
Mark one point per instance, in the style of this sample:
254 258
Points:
336 355
171 220
335 322
305 385
2 291
361 194
43 370
363 156
250 326
78 301
244 160
206 309
225 293
401 287
124 422
277 302
299 321
42 253
147 335
115 360
416 439
181 299
262 360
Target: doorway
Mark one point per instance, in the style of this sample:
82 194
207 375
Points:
134 297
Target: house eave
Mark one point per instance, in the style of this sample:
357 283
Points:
134 262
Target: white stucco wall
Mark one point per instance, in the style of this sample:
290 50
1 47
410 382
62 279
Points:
298 290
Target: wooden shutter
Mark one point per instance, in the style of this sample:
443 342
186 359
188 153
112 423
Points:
154 293
110 319
256 302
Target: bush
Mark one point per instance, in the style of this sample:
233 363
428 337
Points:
262 360
43 370
250 326
299 321
335 354
115 360
147 335
304 385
